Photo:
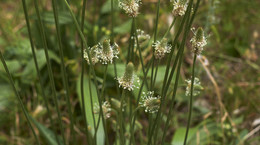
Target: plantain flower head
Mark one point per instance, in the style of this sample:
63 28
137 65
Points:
129 79
108 52
131 7
150 102
198 41
161 48
196 87
106 107
179 7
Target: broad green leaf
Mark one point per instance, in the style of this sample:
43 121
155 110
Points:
29 74
124 28
88 109
106 8
45 132
179 135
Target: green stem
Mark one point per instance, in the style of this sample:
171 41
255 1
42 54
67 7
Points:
91 67
63 69
37 68
132 126
158 119
191 100
121 119
18 97
175 88
50 73
82 75
169 29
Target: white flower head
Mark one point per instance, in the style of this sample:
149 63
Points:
106 107
142 36
150 102
94 52
196 87
108 52
131 7
198 41
179 7
161 48
129 80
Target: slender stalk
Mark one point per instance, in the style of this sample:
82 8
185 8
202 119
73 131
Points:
169 29
63 69
191 100
174 92
82 75
50 73
158 116
37 68
112 41
132 125
139 49
91 67
18 97
121 119
155 37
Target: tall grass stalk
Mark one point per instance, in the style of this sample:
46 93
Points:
158 116
132 123
175 88
91 67
50 73
63 68
191 100
37 69
82 76
26 114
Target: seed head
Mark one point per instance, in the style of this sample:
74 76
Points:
196 87
142 37
198 41
130 7
161 48
94 53
149 102
108 52
179 7
106 107
127 81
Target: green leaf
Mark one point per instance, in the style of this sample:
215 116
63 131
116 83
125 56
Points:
106 8
179 135
29 73
45 132
13 66
88 109
124 28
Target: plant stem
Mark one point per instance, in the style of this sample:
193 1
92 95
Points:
50 73
91 67
37 68
82 76
132 125
18 97
191 100
121 119
63 69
